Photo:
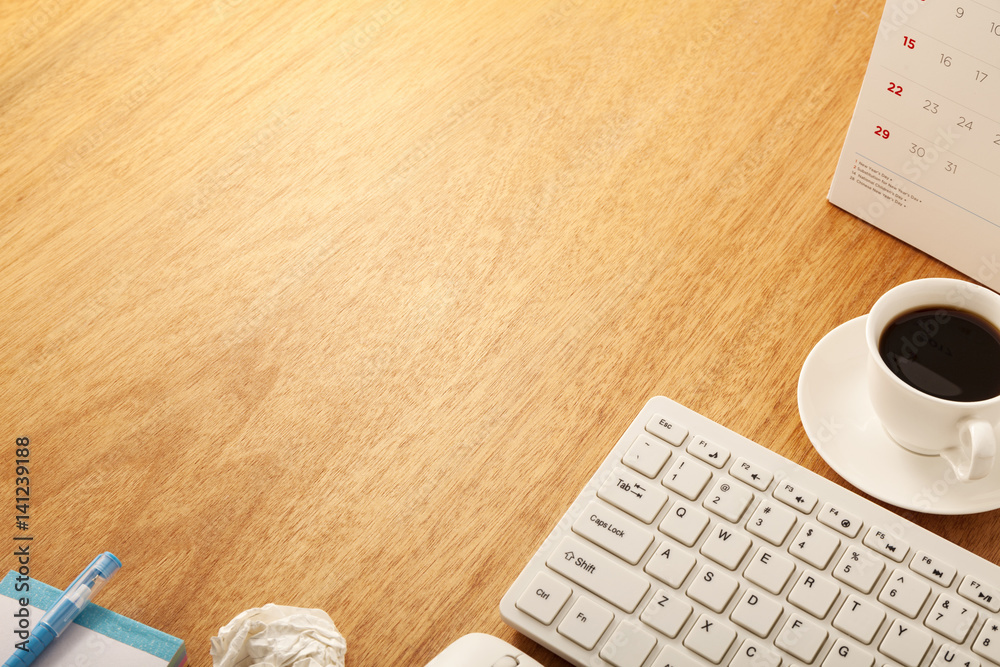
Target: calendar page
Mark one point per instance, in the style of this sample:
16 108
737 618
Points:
922 155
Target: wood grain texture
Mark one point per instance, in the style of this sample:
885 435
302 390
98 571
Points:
338 305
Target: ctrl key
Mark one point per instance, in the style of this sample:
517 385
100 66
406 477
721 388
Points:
543 599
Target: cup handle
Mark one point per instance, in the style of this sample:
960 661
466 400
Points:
973 458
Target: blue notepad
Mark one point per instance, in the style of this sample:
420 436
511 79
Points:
97 638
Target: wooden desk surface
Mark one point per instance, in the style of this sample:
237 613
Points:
338 305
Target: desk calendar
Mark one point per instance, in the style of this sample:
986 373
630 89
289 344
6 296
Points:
922 155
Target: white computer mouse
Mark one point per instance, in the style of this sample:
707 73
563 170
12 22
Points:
479 650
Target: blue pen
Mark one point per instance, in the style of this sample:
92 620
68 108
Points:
66 608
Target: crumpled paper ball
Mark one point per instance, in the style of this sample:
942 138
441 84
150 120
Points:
277 636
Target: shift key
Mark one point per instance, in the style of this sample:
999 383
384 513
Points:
598 573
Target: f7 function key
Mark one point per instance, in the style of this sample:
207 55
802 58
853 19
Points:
983 594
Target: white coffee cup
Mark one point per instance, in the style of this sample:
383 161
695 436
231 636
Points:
964 433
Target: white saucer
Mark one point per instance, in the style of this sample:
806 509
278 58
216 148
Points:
834 407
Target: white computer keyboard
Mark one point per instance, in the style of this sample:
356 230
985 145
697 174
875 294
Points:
692 545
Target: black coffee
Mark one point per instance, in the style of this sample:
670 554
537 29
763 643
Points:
948 353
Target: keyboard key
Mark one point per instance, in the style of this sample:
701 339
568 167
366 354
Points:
666 612
671 656
756 476
647 456
633 494
614 531
905 643
710 638
981 593
598 573
814 545
670 564
769 570
667 430
586 622
684 523
951 617
886 544
904 592
754 654
814 594
795 496
771 521
687 477
708 451
728 499
712 588
756 612
839 519
846 654
801 638
859 568
859 618
629 646
726 546
987 643
544 598
932 568
949 656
